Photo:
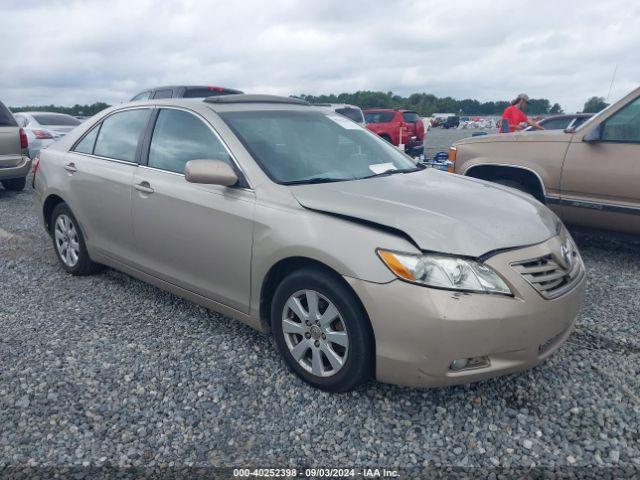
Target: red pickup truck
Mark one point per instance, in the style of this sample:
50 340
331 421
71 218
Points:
395 125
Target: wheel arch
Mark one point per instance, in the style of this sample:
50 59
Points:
528 177
284 267
50 203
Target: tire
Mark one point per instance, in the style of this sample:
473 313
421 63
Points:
15 184
387 138
507 182
64 226
357 354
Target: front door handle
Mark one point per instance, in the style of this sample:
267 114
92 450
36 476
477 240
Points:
71 167
144 187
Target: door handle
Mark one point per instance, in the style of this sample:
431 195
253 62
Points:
71 167
144 187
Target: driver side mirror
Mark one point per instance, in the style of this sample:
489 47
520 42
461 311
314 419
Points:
210 172
594 135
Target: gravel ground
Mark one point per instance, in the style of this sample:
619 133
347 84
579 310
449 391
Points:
107 370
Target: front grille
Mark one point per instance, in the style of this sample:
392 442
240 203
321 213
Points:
549 275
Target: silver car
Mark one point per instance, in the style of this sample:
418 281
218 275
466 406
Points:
297 221
44 128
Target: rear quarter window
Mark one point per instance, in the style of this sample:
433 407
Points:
410 117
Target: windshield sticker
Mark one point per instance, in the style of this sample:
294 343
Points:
344 122
382 167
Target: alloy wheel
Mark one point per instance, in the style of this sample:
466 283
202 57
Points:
66 240
315 333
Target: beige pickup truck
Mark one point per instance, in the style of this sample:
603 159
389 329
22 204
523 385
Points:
589 176
14 153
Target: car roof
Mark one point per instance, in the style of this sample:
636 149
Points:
238 102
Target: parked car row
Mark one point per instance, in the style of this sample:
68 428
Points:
44 128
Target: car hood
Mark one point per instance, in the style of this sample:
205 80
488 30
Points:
439 211
530 136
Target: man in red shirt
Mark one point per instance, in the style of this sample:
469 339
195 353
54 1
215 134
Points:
515 115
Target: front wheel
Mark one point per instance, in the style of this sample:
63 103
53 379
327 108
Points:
15 184
322 331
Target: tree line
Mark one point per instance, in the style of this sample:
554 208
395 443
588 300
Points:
86 110
427 104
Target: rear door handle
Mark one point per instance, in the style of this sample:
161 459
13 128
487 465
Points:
71 167
144 187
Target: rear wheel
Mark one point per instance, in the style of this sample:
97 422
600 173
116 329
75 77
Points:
387 138
321 331
68 243
15 184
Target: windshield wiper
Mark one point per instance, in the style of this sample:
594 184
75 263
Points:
393 171
315 180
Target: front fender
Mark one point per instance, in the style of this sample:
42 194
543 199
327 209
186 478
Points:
345 246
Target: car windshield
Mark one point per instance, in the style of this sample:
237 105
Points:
314 147
56 119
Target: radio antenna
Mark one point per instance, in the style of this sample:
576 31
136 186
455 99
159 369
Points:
613 79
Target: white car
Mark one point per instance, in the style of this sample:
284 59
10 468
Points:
44 128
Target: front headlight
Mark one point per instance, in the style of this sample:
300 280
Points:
441 271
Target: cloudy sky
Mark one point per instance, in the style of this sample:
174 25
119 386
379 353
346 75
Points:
67 52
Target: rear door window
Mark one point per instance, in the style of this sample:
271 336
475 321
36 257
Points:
179 137
379 117
163 93
119 135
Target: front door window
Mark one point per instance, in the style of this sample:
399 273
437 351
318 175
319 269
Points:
624 125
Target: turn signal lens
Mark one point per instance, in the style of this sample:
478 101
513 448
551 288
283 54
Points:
395 265
453 151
